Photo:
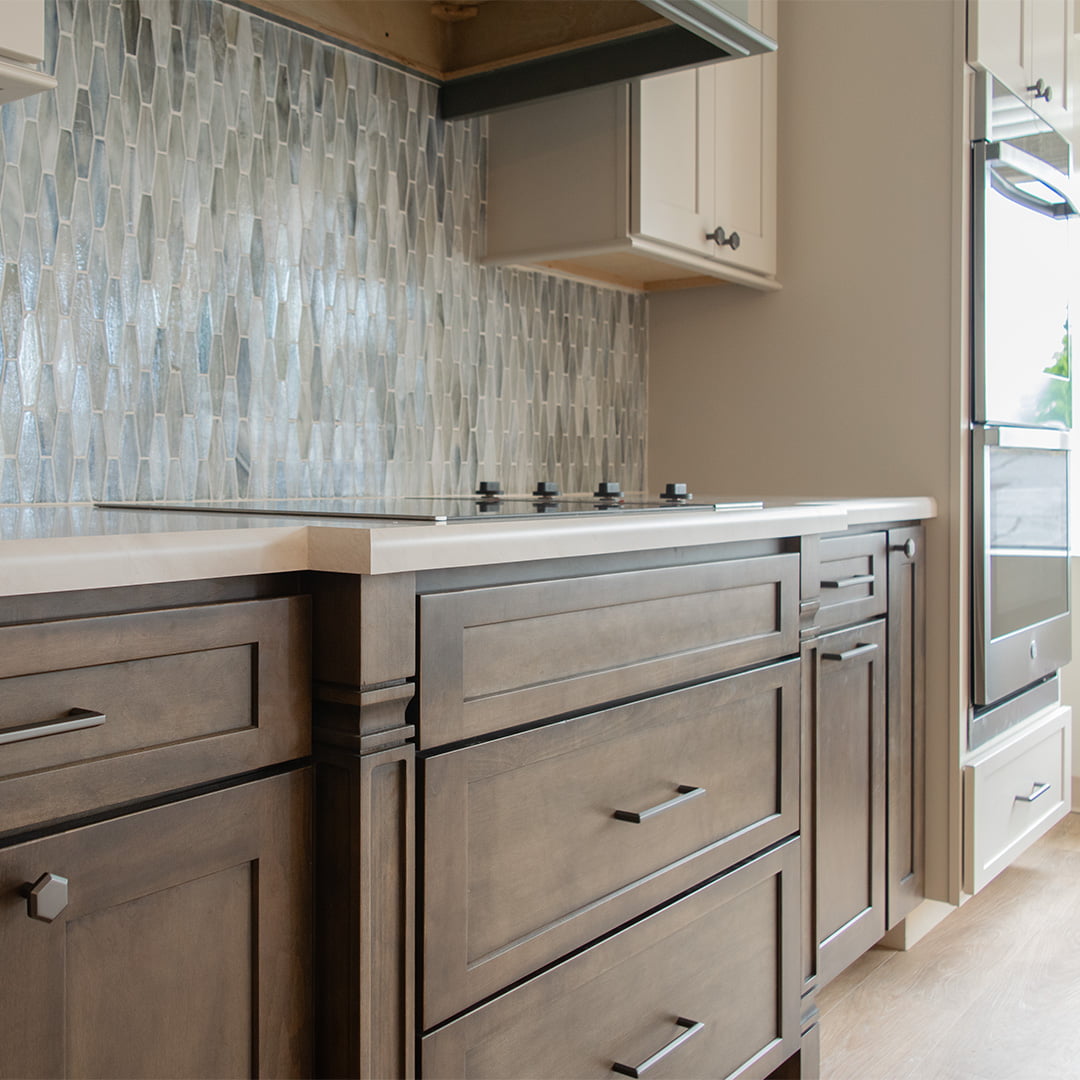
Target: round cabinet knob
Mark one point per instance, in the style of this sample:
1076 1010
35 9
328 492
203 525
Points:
723 239
907 547
489 488
48 897
546 489
1042 90
1033 651
608 489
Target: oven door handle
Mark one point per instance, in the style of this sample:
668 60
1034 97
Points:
1003 157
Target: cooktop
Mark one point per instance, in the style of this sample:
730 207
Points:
486 503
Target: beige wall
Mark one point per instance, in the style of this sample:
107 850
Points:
846 381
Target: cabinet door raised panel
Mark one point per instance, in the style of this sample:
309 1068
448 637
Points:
673 141
182 950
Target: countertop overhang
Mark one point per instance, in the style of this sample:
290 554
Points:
63 548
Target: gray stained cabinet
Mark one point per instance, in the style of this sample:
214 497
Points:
155 853
863 770
698 989
177 944
611 813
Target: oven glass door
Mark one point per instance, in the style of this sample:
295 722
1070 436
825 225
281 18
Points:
1021 558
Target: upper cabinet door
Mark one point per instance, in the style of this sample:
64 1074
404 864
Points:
706 157
1051 36
1025 44
742 165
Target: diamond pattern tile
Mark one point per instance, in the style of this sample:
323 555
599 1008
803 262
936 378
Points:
242 261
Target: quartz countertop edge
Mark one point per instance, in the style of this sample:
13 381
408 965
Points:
59 549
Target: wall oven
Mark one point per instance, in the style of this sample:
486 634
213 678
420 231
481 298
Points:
1021 405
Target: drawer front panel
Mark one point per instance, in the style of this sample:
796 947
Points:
724 957
170 698
853 579
1015 793
495 658
531 847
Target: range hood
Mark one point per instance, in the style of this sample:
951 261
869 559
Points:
493 54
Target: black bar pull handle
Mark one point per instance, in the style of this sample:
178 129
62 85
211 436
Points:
692 1028
686 793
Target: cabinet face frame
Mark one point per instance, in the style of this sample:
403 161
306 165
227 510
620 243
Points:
906 719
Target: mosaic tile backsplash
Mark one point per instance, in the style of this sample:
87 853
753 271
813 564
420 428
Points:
239 261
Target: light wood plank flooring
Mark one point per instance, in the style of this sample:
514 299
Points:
992 993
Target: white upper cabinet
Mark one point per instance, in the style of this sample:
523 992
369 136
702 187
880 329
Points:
22 44
656 184
706 161
1026 45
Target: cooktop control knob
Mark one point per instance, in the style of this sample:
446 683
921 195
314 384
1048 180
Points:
675 492
489 488
608 489
546 489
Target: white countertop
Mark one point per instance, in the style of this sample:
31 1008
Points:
60 548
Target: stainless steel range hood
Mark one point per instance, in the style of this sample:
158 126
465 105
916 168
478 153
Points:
493 54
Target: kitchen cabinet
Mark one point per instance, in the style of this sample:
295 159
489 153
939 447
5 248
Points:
22 44
863 745
595 754
181 949
658 184
155 858
1027 45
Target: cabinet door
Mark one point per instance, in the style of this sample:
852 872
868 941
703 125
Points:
1051 30
24 31
1025 43
181 950
849 758
906 710
998 40
706 157
739 157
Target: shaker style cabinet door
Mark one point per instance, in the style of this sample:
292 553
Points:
1026 44
849 796
172 942
706 157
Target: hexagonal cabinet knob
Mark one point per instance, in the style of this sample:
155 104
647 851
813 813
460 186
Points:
48 897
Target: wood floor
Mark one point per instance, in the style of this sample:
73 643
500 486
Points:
993 993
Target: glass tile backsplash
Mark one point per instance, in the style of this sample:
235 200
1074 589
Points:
242 261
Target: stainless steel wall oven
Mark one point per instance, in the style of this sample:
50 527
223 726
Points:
1021 406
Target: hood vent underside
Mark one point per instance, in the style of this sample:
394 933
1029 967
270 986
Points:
488 55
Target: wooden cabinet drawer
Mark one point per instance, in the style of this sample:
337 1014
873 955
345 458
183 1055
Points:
495 658
173 697
853 579
1014 793
525 858
725 956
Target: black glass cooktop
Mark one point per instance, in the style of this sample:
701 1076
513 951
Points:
441 509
